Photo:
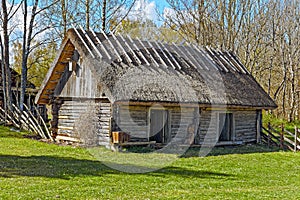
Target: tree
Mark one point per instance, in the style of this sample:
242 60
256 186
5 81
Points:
28 36
39 61
90 14
265 35
7 12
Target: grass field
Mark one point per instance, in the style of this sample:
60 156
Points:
34 170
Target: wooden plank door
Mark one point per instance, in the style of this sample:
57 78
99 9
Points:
159 126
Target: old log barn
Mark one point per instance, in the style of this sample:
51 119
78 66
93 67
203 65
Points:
103 85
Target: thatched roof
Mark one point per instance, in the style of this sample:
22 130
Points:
141 71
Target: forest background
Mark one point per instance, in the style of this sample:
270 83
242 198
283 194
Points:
263 33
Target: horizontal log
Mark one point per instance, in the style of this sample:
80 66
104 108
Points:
65 127
106 119
67 138
249 140
103 131
63 131
137 143
104 143
104 123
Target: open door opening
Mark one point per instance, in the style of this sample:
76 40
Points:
226 127
159 126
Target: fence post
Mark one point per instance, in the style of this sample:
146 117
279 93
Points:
269 130
282 137
296 141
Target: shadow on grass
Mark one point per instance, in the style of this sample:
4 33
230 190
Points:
226 150
66 168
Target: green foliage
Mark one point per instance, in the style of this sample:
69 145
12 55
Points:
148 30
39 61
278 122
34 170
134 28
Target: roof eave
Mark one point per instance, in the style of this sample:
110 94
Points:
194 104
39 100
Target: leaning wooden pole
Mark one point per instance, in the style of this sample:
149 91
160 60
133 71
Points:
296 141
35 123
43 122
282 137
269 130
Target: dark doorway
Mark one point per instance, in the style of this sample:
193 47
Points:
226 126
159 126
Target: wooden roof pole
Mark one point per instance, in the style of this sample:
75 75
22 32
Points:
131 50
157 54
176 47
204 57
84 43
102 46
198 56
227 61
91 42
232 60
121 47
211 53
196 63
112 46
171 55
139 51
236 59
162 50
148 52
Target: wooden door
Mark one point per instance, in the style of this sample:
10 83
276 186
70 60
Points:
159 126
225 127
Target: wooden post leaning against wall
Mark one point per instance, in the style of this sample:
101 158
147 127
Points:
258 126
282 137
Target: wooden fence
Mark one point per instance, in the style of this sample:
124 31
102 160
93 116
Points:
283 138
28 119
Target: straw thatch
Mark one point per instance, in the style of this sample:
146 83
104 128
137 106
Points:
142 71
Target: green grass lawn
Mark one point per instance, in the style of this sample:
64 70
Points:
34 170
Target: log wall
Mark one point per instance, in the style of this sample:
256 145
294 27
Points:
135 121
244 126
74 117
181 118
88 120
207 127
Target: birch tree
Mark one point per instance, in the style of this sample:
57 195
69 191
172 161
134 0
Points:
7 12
30 32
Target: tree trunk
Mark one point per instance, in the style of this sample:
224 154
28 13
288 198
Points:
24 60
27 37
7 72
87 14
3 77
104 15
64 16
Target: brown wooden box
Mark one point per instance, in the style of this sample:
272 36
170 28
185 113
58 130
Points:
120 137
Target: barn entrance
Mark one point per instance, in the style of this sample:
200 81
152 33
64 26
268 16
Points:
159 130
226 126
